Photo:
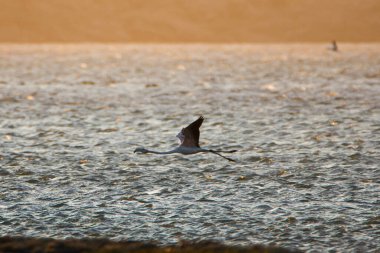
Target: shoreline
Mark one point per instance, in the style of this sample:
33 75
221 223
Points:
103 245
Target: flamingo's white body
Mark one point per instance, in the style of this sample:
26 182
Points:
189 138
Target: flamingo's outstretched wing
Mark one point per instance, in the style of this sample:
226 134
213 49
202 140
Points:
189 136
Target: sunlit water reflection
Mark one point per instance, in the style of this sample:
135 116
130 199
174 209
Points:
306 122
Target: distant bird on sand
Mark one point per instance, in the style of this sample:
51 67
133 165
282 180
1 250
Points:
334 46
189 138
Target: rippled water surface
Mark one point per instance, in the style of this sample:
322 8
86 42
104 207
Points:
306 122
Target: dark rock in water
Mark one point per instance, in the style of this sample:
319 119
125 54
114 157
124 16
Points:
151 85
46 245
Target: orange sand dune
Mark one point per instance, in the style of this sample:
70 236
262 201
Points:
189 21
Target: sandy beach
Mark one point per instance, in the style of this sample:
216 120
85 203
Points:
211 21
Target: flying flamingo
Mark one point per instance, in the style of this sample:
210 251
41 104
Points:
189 138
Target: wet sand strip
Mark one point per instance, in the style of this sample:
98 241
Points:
47 245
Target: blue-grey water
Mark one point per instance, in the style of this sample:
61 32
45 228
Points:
306 122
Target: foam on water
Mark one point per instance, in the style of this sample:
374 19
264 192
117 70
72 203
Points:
304 119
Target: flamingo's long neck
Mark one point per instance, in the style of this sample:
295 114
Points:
162 153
